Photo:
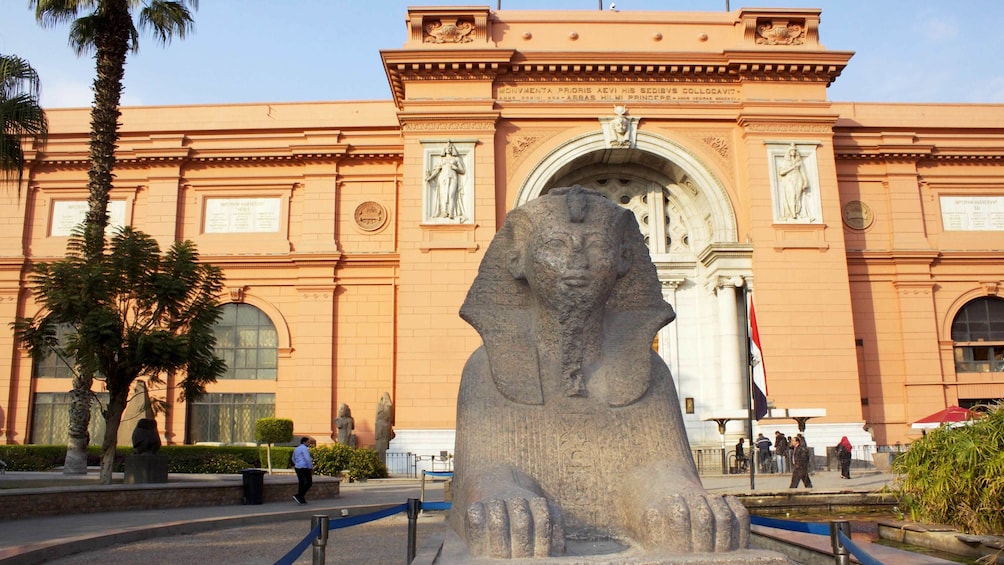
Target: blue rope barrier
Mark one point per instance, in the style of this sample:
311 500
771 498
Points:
790 525
438 473
299 548
436 505
364 518
856 551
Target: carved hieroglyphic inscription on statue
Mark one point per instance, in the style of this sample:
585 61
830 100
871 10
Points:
569 429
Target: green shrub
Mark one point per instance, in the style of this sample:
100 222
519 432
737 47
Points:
281 457
210 458
273 430
365 464
32 457
331 460
956 475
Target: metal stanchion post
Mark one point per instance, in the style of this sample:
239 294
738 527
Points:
422 495
840 554
414 507
321 541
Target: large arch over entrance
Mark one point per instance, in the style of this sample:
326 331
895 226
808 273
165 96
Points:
689 223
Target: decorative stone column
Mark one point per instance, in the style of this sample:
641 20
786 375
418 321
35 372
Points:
728 327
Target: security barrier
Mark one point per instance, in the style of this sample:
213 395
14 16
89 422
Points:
838 530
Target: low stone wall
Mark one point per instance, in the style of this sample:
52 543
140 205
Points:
51 501
943 538
810 502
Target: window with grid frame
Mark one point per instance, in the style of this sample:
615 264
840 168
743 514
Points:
50 418
246 339
56 364
978 336
227 417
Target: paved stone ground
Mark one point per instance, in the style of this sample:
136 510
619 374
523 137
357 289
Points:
381 542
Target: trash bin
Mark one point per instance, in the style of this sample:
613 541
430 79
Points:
254 486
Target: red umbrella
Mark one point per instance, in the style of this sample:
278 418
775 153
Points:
952 416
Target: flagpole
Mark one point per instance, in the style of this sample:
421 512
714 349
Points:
749 389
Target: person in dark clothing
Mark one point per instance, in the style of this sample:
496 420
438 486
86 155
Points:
800 464
763 453
844 456
781 452
741 456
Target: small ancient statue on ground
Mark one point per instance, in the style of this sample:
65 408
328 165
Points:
146 438
384 426
569 428
345 423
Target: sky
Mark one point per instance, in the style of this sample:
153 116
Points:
320 50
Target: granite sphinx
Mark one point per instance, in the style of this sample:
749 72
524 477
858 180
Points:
569 427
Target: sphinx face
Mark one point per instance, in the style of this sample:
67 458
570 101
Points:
573 265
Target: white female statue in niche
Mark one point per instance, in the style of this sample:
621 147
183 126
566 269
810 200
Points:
446 183
793 183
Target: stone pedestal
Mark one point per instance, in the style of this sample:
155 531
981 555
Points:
452 551
145 468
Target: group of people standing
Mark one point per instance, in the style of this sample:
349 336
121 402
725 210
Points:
791 453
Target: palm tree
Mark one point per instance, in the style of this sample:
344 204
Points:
107 29
21 117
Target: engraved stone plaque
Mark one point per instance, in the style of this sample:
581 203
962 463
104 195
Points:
972 213
857 215
370 216
68 213
241 215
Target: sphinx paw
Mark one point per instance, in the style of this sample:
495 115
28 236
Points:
514 527
695 522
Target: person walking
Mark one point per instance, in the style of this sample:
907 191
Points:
844 456
304 466
800 464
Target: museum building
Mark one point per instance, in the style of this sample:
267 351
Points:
868 235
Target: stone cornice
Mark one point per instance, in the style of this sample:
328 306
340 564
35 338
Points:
510 66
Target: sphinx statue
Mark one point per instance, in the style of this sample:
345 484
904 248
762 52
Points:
569 428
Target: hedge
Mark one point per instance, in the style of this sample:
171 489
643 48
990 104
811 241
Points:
331 460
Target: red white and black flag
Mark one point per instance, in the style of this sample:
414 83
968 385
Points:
758 375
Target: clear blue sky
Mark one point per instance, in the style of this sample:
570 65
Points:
309 50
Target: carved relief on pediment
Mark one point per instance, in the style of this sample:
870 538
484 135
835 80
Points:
448 30
780 32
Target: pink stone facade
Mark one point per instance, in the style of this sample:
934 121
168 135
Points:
855 302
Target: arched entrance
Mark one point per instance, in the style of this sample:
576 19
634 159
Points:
689 223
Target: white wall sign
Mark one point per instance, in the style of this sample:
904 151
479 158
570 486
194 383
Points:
242 215
972 213
66 214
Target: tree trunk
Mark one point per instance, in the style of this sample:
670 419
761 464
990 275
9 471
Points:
113 419
111 44
80 420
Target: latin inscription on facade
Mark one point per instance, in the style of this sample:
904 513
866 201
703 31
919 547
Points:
679 93
972 213
68 213
242 215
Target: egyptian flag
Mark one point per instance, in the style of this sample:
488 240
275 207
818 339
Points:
757 372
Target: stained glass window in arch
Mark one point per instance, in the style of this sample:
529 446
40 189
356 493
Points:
978 336
247 341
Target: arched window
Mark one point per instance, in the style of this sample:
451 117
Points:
246 339
978 333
